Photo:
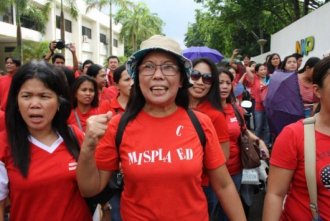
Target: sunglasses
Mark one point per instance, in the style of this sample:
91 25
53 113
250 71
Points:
206 78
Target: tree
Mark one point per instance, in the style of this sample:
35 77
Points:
123 4
138 24
240 23
37 13
73 12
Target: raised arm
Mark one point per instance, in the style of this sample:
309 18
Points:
91 180
52 46
75 62
232 59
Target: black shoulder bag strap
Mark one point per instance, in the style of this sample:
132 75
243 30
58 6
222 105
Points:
192 116
198 127
120 130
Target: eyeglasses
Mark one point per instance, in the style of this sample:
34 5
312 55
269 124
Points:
149 69
206 78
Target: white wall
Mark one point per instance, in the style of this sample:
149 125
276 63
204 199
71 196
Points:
315 24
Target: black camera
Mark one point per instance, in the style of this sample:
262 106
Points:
60 44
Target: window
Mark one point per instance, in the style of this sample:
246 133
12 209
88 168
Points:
9 49
87 31
27 22
103 38
115 43
67 24
7 16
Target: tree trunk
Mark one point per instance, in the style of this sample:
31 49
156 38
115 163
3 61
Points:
19 35
296 9
306 4
62 25
110 40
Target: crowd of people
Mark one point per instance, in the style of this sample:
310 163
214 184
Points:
169 127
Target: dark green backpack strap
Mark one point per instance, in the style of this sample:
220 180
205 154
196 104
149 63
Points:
198 127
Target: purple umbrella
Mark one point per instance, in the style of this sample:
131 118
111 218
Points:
202 52
283 102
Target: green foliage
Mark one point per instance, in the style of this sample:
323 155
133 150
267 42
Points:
138 24
229 24
33 50
35 12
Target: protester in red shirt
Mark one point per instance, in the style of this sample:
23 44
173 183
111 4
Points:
113 63
12 65
98 73
287 181
258 83
123 83
204 96
84 101
38 150
161 155
229 104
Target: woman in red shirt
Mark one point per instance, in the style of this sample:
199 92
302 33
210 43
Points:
287 195
161 155
229 104
123 83
204 96
85 101
258 82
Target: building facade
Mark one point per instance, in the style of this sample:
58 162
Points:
308 36
89 32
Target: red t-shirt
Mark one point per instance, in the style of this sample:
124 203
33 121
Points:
234 164
257 87
115 107
82 117
162 160
218 119
108 93
2 121
288 153
5 82
50 192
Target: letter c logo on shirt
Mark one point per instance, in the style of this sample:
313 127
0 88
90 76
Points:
178 130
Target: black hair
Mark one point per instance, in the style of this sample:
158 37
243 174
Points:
285 60
113 56
311 62
246 56
213 96
87 62
137 101
117 73
231 97
17 62
93 70
81 79
258 67
17 130
297 55
270 67
251 63
321 71
69 74
56 56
